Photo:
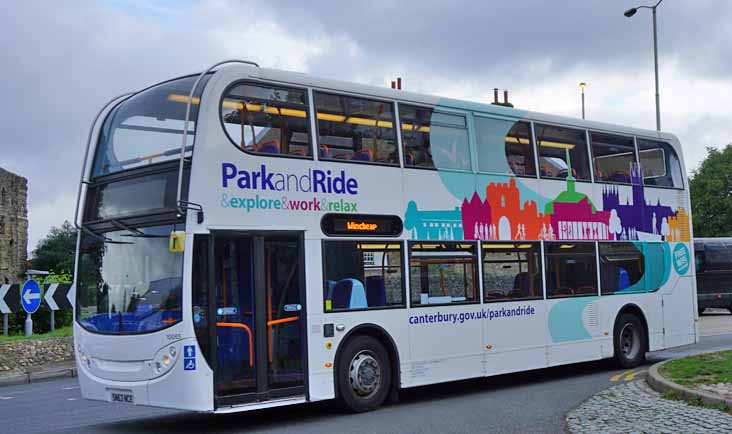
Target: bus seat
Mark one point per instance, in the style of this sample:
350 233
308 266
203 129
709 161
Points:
517 293
349 294
375 291
324 151
620 177
623 279
522 281
609 278
271 147
299 152
329 285
363 155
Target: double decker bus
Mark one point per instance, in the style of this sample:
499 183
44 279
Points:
254 238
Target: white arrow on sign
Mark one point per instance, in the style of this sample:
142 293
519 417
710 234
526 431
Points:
4 308
71 295
49 296
29 295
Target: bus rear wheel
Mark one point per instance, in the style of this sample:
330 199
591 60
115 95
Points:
630 341
364 374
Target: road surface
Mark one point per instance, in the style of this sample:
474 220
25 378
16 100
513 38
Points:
535 401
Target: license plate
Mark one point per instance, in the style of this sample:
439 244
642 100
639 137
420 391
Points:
122 396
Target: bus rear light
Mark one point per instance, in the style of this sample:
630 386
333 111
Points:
328 364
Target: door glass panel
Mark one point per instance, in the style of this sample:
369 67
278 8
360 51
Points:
236 371
285 314
200 294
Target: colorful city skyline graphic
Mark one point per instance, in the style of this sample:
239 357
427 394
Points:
571 215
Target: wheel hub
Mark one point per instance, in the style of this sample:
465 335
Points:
365 374
629 341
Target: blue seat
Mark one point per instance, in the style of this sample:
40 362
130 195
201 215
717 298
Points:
272 147
349 294
623 279
329 285
363 155
375 291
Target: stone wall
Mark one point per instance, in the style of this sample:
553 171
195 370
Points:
13 226
22 354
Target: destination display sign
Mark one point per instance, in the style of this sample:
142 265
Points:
352 225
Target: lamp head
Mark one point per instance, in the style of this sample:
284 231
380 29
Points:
583 85
630 12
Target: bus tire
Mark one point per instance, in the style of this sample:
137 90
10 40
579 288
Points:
364 374
630 341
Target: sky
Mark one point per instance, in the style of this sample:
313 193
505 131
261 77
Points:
61 61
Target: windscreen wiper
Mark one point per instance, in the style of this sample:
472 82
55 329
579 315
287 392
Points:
134 232
102 238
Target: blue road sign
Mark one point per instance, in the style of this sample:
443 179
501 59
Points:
189 357
30 296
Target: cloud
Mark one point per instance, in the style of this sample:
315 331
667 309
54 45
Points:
62 63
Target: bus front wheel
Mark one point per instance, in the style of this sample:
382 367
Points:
364 374
630 341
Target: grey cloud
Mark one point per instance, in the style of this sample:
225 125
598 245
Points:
62 62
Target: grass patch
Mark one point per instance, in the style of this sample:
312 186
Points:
673 396
60 332
703 369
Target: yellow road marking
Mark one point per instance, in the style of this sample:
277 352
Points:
618 377
630 377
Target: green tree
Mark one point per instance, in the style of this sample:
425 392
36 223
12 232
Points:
710 188
55 252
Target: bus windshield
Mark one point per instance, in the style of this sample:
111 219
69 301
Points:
128 281
147 128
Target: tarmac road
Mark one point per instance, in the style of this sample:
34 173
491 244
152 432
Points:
534 401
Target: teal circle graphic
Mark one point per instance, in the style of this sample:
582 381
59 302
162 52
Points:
681 259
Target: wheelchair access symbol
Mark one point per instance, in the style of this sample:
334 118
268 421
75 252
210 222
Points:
189 357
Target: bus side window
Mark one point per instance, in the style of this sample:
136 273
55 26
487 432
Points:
442 273
415 124
504 146
561 151
613 157
267 120
511 271
660 164
571 269
621 268
355 129
362 275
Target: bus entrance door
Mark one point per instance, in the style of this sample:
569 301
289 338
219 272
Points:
259 317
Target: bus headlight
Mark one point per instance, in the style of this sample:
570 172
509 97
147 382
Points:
165 359
83 356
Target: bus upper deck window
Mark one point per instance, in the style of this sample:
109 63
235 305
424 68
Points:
265 119
415 123
504 146
147 128
355 129
613 157
562 151
660 164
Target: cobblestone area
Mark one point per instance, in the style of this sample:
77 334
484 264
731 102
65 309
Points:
26 353
636 408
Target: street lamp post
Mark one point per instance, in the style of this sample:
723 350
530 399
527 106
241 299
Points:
629 13
582 86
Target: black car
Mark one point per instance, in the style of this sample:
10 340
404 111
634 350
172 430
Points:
713 272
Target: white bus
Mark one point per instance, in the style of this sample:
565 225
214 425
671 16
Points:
254 238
